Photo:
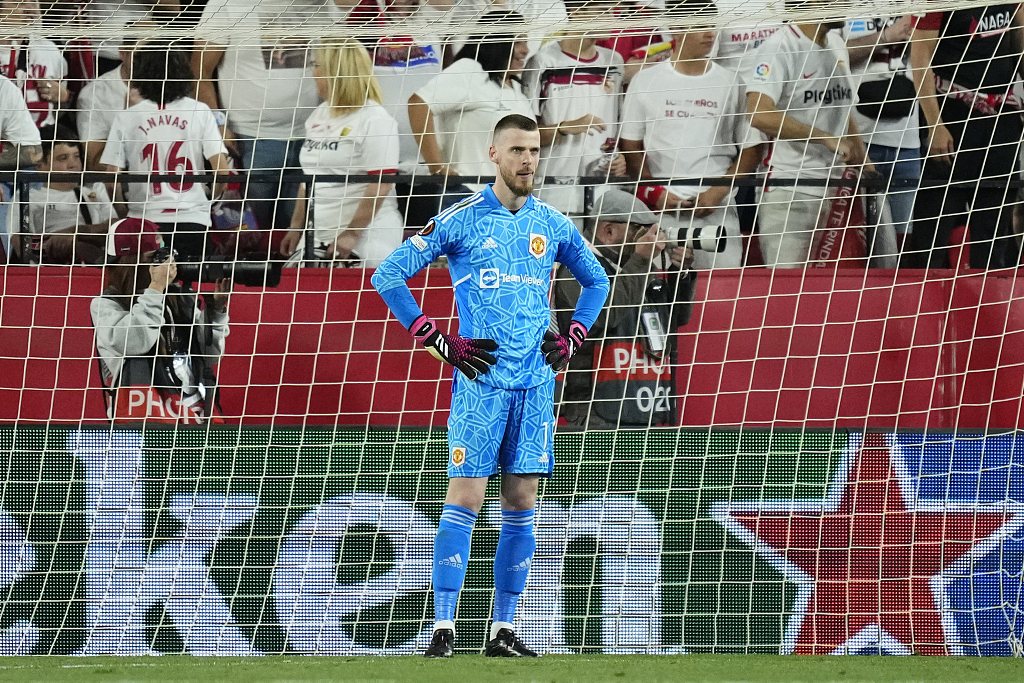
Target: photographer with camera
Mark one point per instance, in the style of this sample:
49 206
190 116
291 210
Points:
622 375
157 346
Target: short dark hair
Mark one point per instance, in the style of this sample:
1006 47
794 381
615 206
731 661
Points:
57 135
161 71
517 121
493 51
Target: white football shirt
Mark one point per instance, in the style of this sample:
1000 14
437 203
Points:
811 84
403 65
466 105
265 78
749 25
99 103
691 126
174 138
16 124
26 63
53 210
564 88
359 143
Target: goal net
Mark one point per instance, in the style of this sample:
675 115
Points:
791 430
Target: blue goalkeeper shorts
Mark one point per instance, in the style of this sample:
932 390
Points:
491 429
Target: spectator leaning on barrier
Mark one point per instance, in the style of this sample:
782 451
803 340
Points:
685 118
453 116
33 62
622 377
72 219
351 133
156 345
19 150
263 90
887 117
576 89
800 94
167 133
965 64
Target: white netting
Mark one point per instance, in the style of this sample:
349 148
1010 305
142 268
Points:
753 448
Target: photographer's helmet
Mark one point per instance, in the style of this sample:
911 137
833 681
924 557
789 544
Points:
132 236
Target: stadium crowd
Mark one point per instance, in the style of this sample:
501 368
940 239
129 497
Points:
917 107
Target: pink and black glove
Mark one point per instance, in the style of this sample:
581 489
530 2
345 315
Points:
470 356
559 348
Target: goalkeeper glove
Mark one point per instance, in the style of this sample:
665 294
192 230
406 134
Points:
559 348
470 356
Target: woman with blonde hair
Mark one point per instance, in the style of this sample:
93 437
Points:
350 133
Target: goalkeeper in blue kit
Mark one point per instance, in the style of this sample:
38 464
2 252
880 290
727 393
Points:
501 245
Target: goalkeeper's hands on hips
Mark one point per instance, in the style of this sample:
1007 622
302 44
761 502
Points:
470 356
559 348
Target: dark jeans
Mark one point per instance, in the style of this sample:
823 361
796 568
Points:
272 200
987 149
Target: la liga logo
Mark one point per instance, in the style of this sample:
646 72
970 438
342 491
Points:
762 69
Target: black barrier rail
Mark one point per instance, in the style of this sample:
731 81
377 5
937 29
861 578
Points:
871 184
262 177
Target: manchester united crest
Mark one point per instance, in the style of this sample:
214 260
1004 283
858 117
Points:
538 244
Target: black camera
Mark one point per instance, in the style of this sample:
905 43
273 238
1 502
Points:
248 273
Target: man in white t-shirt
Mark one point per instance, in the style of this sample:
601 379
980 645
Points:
686 118
576 88
801 96
99 103
879 56
454 114
20 148
404 60
33 62
74 218
748 26
265 89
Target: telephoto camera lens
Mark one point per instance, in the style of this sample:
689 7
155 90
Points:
248 273
706 238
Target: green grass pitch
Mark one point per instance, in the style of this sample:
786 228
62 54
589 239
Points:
470 669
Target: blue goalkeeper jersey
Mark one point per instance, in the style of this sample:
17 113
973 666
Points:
501 265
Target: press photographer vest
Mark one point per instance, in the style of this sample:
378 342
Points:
149 388
633 384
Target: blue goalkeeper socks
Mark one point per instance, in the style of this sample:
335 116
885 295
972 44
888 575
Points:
511 565
451 555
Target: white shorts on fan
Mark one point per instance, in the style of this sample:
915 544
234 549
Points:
786 221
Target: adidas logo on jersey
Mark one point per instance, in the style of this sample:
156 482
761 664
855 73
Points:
523 566
489 243
453 561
